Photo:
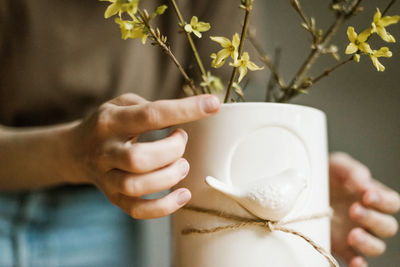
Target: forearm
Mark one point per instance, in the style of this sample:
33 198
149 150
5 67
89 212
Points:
36 158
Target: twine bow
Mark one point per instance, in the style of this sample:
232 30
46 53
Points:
269 226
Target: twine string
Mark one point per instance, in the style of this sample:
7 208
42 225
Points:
270 226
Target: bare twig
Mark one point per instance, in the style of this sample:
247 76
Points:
354 9
316 53
266 59
273 81
191 42
308 22
327 72
248 8
156 38
388 7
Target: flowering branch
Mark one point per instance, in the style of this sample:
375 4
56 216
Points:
160 41
135 23
191 42
248 6
316 53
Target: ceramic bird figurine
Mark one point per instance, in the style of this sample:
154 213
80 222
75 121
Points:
269 198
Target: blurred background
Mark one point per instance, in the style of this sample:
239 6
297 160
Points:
362 105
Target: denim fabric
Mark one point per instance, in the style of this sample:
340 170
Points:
68 226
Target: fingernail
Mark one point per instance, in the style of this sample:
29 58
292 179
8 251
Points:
184 166
373 198
183 197
210 104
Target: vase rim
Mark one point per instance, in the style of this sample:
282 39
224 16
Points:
281 105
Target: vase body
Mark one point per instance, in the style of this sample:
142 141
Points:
237 146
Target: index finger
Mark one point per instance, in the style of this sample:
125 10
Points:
164 113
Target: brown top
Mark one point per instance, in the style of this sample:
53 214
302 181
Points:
60 59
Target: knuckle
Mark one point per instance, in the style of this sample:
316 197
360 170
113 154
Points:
359 171
356 211
149 114
127 95
136 159
352 237
103 118
130 187
120 100
131 99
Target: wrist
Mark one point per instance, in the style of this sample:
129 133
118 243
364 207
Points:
71 168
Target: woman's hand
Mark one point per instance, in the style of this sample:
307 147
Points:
363 211
108 155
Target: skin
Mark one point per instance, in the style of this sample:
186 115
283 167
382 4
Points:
364 210
103 150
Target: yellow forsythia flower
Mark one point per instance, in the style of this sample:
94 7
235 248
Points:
379 24
132 29
230 49
216 64
243 64
121 6
358 42
383 52
197 27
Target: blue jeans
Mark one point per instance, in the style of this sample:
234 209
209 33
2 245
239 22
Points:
67 226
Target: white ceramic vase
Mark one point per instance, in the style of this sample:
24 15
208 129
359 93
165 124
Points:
240 144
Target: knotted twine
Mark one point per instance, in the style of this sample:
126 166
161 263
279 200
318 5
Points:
270 226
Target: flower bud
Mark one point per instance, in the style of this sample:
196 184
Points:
246 2
161 9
